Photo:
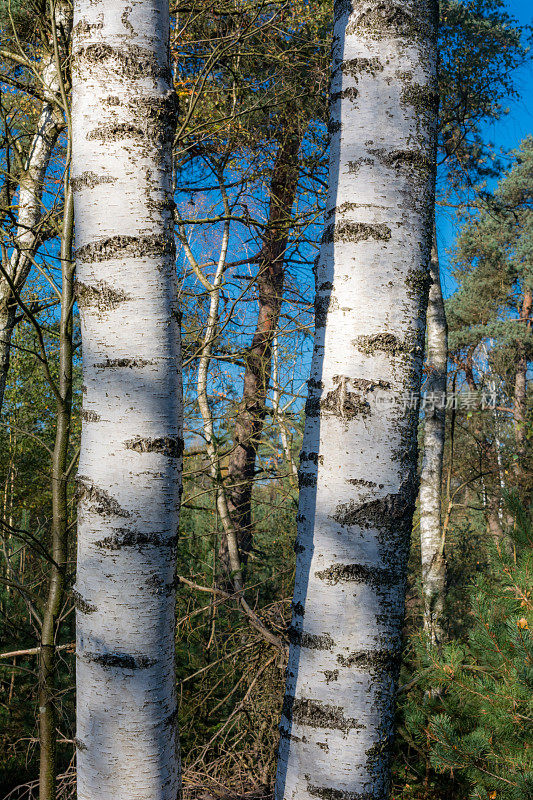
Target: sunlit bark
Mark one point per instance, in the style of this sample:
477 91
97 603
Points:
123 116
358 466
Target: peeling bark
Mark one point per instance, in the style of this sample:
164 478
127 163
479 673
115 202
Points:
131 452
358 481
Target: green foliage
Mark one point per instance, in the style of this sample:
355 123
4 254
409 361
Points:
480 47
476 715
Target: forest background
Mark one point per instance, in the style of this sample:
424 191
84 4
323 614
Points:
250 156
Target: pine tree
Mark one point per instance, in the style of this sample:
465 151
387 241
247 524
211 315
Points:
481 724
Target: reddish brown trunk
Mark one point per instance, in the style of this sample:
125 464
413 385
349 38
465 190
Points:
469 369
270 279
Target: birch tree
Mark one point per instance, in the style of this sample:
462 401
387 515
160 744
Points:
129 473
30 206
358 465
431 535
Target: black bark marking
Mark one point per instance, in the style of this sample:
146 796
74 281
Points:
100 295
329 793
125 21
418 282
171 446
124 537
90 416
376 577
323 304
375 753
311 641
319 715
424 98
345 404
84 28
156 244
331 675
285 734
342 209
384 16
348 404
90 180
314 458
334 126
415 161
130 61
120 660
81 604
98 499
355 66
171 720
116 131
159 114
374 661
298 608
350 93
306 478
79 744
357 232
363 482
354 166
387 510
123 362
382 342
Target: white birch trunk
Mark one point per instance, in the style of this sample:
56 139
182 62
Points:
30 203
358 465
130 462
431 534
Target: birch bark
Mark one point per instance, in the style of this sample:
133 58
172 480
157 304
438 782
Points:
358 465
520 384
431 534
31 186
130 463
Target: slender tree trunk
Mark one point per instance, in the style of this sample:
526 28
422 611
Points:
56 588
278 413
358 480
231 544
492 507
520 386
123 117
30 202
270 279
431 535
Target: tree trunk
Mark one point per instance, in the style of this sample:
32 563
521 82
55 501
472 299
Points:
30 202
56 587
123 117
431 536
520 386
270 279
358 466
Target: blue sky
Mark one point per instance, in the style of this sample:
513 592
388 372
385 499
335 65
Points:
506 133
